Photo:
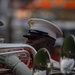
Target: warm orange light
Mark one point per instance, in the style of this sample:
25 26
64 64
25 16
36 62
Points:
45 4
70 4
54 3
58 2
20 13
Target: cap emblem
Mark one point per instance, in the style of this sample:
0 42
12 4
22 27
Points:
31 22
48 34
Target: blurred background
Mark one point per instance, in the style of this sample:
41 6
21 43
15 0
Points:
15 13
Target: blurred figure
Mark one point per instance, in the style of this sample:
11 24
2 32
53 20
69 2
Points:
55 55
56 49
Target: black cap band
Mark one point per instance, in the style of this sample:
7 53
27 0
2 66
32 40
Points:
36 34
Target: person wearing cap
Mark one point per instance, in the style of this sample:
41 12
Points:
42 34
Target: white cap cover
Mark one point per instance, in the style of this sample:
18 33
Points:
45 26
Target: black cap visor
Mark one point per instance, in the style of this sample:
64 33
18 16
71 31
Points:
1 23
32 36
35 34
